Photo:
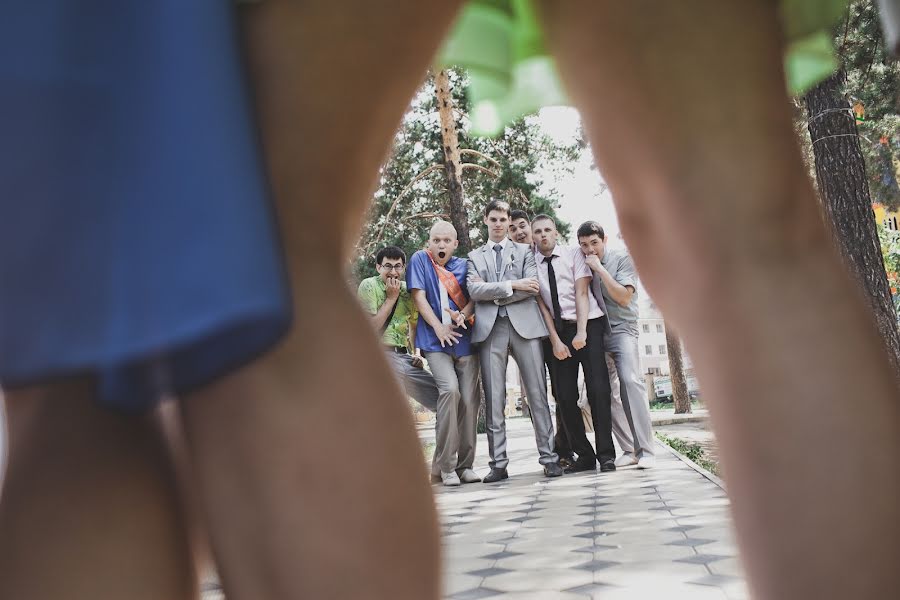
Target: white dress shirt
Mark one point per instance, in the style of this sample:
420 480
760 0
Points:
568 266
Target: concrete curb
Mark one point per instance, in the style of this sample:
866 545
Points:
709 475
669 420
668 417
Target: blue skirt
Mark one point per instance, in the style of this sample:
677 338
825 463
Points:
137 238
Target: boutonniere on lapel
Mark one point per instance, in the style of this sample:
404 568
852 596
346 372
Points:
511 263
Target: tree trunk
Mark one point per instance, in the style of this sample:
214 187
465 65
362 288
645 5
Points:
676 373
453 170
844 192
650 378
452 163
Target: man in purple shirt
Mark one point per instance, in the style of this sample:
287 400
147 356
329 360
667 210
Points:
577 328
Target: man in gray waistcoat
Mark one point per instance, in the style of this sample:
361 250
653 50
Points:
616 279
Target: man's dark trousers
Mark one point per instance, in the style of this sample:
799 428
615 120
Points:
561 444
564 375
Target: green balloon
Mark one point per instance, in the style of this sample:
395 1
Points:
501 45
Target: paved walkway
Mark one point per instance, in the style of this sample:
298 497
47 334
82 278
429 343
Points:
663 533
659 533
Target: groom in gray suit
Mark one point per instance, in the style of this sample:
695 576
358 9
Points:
502 280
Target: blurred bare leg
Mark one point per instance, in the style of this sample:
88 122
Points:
331 81
685 105
89 507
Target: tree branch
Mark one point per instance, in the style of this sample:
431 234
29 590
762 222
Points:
402 193
843 47
865 77
465 166
426 215
479 155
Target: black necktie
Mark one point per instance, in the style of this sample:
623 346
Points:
554 294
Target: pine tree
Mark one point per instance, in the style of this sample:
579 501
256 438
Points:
413 190
842 176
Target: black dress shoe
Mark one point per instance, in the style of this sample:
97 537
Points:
566 461
495 475
607 465
553 470
582 465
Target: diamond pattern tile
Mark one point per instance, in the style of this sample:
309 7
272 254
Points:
662 533
501 555
476 594
597 565
489 572
701 559
715 580
590 536
690 542
683 528
591 589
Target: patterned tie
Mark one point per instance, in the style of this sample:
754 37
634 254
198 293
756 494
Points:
554 293
498 251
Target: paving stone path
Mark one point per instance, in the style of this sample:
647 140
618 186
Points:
663 533
657 533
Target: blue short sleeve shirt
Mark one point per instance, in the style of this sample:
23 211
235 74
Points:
420 275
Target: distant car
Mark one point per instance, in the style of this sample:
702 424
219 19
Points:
663 388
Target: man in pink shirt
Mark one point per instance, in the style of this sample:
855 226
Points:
577 327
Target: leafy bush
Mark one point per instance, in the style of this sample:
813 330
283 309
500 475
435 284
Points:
692 450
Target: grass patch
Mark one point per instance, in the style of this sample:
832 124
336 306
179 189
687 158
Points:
428 450
692 450
661 405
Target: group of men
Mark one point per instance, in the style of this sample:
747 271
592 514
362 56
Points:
552 306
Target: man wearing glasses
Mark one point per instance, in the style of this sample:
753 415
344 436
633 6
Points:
394 316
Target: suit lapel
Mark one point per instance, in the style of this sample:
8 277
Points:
487 256
507 259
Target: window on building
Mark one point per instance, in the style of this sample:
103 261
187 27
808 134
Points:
648 350
662 349
659 328
647 329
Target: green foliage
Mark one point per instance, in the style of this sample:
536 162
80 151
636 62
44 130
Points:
890 250
668 404
873 81
523 155
692 451
428 450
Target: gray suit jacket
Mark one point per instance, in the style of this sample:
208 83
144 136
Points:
489 291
